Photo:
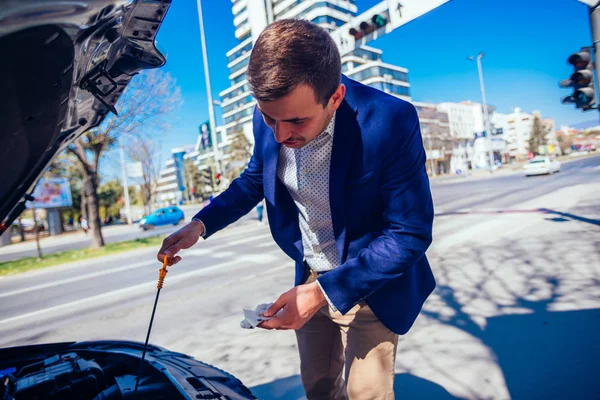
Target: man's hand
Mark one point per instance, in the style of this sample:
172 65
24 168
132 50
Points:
297 306
184 238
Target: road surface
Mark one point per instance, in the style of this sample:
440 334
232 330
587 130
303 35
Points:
515 314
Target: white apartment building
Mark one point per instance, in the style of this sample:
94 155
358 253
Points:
517 127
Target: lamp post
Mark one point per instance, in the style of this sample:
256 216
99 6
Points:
485 109
211 110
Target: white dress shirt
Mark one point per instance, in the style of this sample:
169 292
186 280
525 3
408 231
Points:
305 174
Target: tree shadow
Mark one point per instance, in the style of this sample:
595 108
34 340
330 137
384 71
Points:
406 387
532 302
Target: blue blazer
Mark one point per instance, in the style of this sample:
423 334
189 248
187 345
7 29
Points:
381 206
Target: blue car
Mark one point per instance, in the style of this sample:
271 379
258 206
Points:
163 216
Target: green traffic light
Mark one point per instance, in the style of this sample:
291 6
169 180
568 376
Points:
379 20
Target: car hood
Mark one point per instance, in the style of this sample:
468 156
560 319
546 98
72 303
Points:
65 64
109 370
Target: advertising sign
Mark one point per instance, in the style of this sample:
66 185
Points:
52 193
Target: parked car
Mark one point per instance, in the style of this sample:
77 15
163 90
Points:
163 216
64 66
541 165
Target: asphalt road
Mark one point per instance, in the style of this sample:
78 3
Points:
201 304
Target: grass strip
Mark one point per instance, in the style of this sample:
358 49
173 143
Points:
63 257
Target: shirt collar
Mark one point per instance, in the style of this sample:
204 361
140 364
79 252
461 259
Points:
328 131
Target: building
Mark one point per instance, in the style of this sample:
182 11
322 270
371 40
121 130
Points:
437 139
465 118
468 132
517 127
250 17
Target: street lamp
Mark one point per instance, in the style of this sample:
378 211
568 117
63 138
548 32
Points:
211 110
485 109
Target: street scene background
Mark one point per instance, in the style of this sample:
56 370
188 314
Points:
516 258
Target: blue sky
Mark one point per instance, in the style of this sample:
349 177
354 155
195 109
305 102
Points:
526 44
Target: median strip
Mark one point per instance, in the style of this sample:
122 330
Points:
64 257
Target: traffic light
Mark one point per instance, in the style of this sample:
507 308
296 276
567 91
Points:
582 81
364 28
218 179
207 177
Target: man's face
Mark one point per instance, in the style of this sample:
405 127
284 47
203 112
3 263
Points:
297 118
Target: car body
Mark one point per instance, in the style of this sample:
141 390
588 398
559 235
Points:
541 165
108 370
65 64
163 216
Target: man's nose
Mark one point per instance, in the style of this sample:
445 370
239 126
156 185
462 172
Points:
281 132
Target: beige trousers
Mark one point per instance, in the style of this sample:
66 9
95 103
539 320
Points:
348 356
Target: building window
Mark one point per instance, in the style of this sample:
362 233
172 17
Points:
246 49
379 71
240 65
239 79
237 116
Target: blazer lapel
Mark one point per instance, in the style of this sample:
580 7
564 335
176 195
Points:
284 221
345 137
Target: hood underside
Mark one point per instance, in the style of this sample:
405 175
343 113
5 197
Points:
65 64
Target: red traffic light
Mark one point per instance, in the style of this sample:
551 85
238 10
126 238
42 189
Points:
357 34
580 59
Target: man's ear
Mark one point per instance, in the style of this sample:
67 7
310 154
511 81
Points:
338 97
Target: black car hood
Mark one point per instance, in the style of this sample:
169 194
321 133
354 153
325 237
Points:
110 367
64 66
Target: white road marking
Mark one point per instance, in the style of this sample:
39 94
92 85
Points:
78 278
193 252
125 292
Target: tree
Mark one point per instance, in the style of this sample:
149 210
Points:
144 108
201 181
538 135
238 155
147 153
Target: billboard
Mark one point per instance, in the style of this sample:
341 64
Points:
52 193
205 137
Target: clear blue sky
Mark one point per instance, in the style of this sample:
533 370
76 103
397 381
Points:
526 44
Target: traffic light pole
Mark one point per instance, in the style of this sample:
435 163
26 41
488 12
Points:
595 28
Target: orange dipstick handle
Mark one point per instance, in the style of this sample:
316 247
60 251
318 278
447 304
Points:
162 274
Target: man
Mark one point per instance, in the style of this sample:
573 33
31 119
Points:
342 168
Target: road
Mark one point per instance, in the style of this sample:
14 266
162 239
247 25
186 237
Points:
79 240
517 262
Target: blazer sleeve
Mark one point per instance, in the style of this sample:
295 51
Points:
242 195
408 217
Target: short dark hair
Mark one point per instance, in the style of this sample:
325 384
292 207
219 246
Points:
293 52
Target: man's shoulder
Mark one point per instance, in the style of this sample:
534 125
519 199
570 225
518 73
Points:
380 116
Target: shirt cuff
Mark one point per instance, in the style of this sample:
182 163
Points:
203 226
331 305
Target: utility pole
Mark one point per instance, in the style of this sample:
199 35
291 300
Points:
125 185
211 110
486 118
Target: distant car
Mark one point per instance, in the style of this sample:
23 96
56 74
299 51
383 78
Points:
163 216
541 166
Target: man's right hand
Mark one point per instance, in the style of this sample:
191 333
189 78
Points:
184 238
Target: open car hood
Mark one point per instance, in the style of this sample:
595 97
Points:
108 370
64 66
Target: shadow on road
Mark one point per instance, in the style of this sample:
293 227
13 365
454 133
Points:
564 217
531 302
406 387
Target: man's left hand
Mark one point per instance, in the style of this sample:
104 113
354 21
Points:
297 306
